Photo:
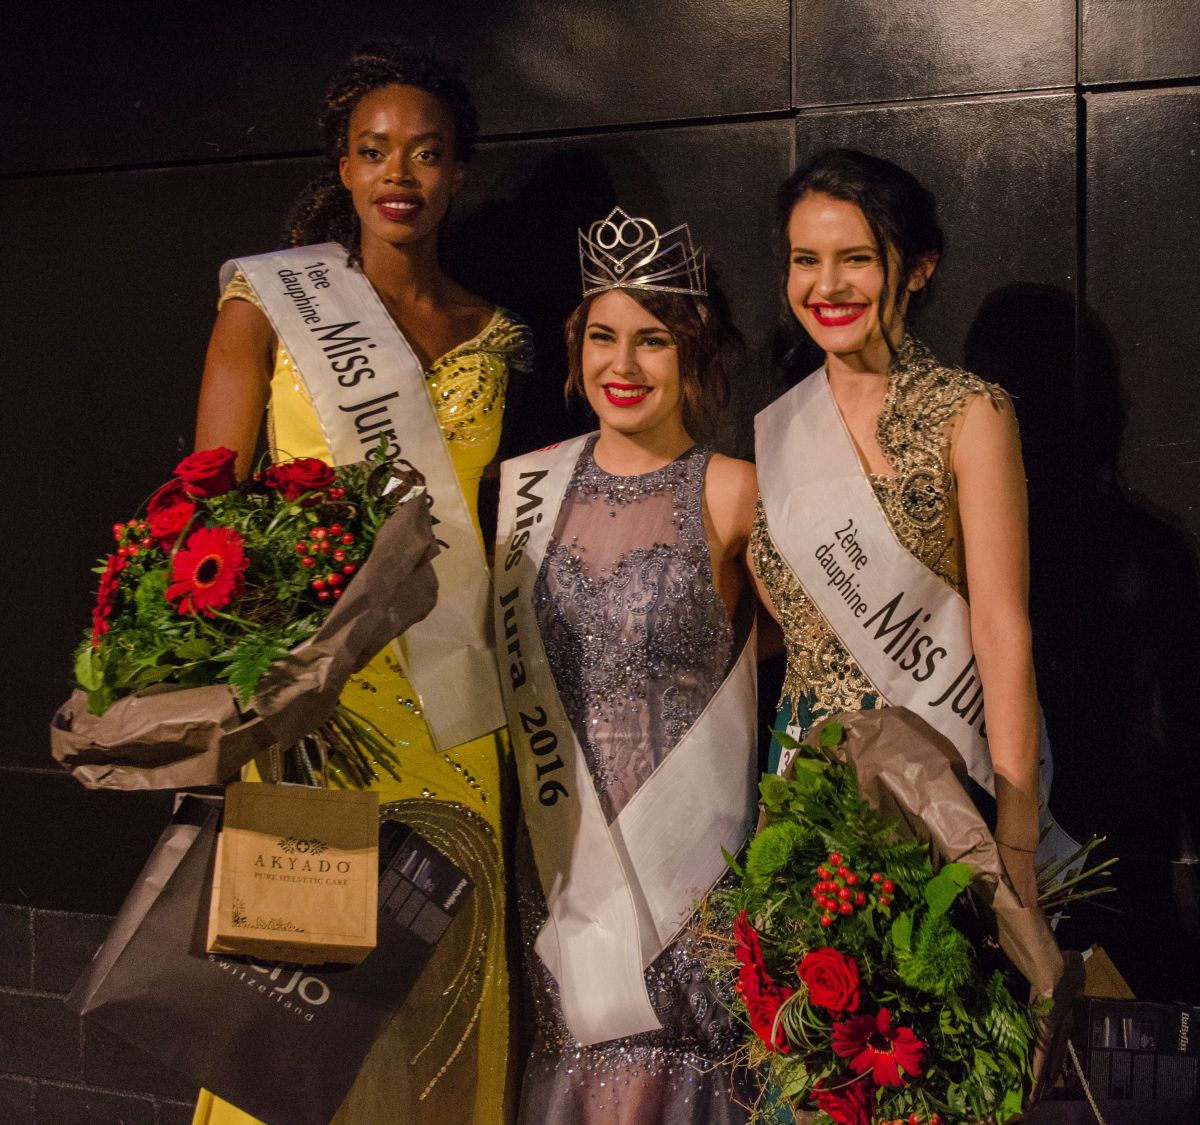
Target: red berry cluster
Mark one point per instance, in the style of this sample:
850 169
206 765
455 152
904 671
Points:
916 1119
132 538
326 546
838 890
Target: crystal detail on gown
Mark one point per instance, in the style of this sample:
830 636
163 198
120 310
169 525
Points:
638 641
924 402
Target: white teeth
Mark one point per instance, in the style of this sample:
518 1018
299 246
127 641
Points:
618 392
400 206
838 310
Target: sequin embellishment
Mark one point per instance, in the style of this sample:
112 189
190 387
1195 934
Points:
915 429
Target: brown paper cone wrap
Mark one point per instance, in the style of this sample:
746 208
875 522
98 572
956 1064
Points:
908 770
185 737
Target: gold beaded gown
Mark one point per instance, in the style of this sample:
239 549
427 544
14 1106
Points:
444 1058
918 421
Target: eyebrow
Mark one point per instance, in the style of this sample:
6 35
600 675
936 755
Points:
371 134
640 331
848 250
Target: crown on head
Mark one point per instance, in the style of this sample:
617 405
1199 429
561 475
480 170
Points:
624 252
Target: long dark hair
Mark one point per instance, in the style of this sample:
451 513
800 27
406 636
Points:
900 212
324 211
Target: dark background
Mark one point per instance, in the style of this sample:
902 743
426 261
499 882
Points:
146 143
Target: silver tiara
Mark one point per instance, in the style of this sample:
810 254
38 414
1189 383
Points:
624 252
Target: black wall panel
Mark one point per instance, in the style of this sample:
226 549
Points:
1128 40
153 82
1143 277
1134 675
103 366
867 51
66 848
1003 171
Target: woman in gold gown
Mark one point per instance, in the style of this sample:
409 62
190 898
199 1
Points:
942 454
399 127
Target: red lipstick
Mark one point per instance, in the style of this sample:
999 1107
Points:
627 395
397 208
835 316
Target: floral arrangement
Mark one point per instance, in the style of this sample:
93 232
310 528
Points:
219 579
869 988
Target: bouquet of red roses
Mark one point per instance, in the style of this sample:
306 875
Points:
257 599
875 990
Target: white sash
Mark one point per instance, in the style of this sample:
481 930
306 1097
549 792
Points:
365 384
616 894
909 632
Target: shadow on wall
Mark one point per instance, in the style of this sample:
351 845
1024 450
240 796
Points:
1115 604
522 253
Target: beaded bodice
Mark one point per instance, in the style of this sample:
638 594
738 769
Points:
635 633
915 430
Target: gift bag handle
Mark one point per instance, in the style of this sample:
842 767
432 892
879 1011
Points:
318 779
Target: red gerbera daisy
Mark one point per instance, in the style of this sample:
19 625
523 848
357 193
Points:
871 1043
207 571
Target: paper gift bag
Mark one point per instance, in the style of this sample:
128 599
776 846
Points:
296 874
285 1043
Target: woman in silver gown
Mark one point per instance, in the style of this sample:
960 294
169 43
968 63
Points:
635 600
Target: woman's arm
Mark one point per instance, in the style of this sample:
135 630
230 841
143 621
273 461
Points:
730 493
994 511
237 381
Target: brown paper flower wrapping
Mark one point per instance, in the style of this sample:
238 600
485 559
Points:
186 737
908 770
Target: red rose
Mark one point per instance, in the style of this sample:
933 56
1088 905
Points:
168 512
294 478
763 998
749 950
762 995
847 1103
208 472
832 979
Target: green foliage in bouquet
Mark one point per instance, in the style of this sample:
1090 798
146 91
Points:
863 992
219 579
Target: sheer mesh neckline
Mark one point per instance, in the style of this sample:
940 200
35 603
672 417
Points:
588 462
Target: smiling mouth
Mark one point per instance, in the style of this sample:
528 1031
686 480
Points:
625 394
397 209
834 316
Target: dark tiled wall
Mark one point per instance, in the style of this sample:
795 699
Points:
52 1069
145 147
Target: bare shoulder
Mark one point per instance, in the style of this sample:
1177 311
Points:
987 432
731 491
731 474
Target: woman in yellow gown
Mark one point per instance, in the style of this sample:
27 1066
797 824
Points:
399 126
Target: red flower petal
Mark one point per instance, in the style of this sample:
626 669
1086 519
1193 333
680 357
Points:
207 571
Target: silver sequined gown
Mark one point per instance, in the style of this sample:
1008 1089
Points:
638 640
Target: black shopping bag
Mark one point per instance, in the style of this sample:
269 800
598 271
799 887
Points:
283 1042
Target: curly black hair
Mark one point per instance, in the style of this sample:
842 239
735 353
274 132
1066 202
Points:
324 211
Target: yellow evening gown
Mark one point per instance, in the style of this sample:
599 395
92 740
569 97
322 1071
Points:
444 1058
